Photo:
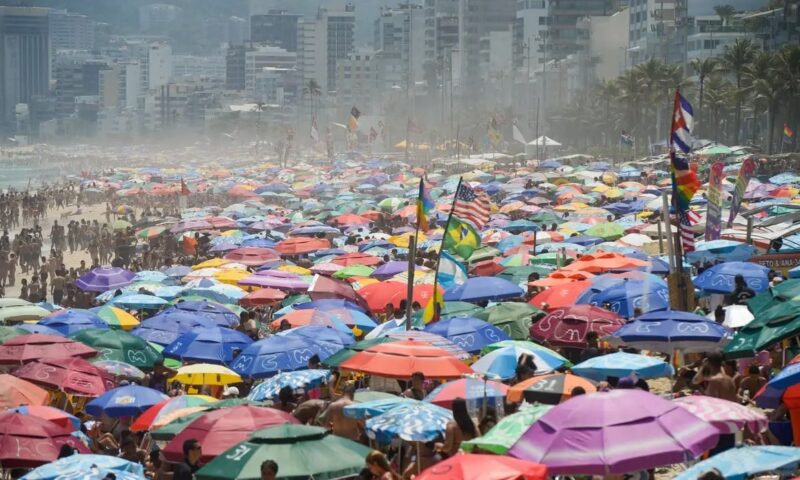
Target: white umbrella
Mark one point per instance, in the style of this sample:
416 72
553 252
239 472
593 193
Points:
544 141
736 316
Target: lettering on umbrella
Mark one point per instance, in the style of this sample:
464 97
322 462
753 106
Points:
644 327
269 362
238 454
44 372
137 357
698 327
464 341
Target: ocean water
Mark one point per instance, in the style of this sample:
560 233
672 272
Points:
18 176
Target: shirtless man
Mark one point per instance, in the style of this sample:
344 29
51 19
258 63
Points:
339 423
717 383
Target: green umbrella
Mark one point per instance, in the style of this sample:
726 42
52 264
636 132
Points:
120 224
301 452
291 300
520 275
507 431
450 309
173 428
7 333
120 346
514 318
354 271
344 354
607 231
546 218
526 345
22 313
484 253
168 362
549 258
392 204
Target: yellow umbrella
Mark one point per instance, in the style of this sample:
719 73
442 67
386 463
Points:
510 207
601 188
403 240
230 233
212 263
571 207
614 193
363 282
233 266
295 269
206 374
232 276
117 317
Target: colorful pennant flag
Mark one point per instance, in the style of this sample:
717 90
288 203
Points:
461 237
352 122
425 205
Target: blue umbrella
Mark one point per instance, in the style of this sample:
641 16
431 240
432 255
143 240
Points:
207 345
72 320
40 329
167 326
301 379
373 408
621 364
721 250
177 271
213 311
153 276
789 376
745 461
127 401
82 465
502 363
521 225
720 277
469 333
274 354
671 330
218 292
138 300
323 340
584 240
417 422
624 298
476 289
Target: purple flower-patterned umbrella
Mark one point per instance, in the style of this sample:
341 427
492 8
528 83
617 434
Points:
105 278
613 433
275 281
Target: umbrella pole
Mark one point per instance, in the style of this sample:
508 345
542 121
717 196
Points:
412 257
419 467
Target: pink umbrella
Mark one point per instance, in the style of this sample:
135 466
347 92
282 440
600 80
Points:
276 281
727 416
613 433
252 256
191 224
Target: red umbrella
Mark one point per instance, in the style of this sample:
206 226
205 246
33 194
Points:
350 219
486 268
472 466
35 346
16 391
560 295
70 375
325 287
27 442
357 259
568 326
219 430
301 245
378 295
401 359
262 296
252 256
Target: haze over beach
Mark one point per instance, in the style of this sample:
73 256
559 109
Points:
384 240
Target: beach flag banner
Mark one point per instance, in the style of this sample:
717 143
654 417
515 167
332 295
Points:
451 271
314 130
746 172
184 188
714 211
461 237
626 139
373 134
433 310
425 206
352 122
788 133
494 134
517 134
684 179
472 204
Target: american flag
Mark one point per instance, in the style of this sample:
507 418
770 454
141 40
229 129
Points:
473 205
687 218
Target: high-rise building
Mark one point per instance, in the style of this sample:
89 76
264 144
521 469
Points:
341 20
237 31
653 28
312 53
530 31
564 35
120 86
441 30
75 79
156 16
477 20
70 31
266 57
277 28
192 67
234 67
323 41
358 80
399 36
157 65
24 57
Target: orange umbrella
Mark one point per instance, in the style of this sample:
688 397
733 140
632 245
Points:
16 391
252 256
350 219
301 245
373 214
600 262
561 278
378 295
402 359
356 259
263 296
560 295
549 389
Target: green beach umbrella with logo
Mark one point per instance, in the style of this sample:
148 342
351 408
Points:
120 346
507 431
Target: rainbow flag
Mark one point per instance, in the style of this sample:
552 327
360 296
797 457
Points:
433 310
425 205
787 131
684 180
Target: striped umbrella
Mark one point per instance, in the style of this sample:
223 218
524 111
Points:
306 379
419 422
727 416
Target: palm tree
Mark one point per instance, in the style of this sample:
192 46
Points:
702 68
735 61
768 87
718 93
632 95
788 69
725 12
259 108
313 90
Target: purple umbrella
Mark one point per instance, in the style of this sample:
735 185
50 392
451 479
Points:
105 278
190 224
275 282
613 433
390 269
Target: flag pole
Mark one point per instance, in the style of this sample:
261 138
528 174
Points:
412 259
441 245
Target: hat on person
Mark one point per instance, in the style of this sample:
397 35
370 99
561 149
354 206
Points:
230 392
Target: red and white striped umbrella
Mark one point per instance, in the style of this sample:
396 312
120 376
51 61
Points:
727 416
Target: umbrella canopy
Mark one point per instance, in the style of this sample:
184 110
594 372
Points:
402 359
727 416
105 278
27 441
51 414
166 407
469 333
549 389
568 326
67 322
252 256
721 277
116 317
74 376
262 296
671 330
301 451
301 245
206 374
415 422
626 297
35 346
219 430
127 401
119 345
305 379
468 466
87 466
373 408
379 295
622 364
271 355
502 363
216 312
745 461
470 389
476 289
15 391
210 345
602 434
22 313
513 318
507 431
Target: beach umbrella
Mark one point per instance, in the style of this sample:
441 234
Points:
337 358
350 259
74 376
430 339
470 466
323 340
166 326
470 389
549 389
602 434
67 322
27 442
120 346
138 301
7 333
160 410
720 277
622 364
378 295
51 414
262 296
301 451
115 317
15 391
721 251
469 333
88 467
746 461
600 262
729 417
104 278
507 431
220 314
671 330
502 363
119 369
301 379
177 271
416 422
401 359
301 245
568 326
606 231
563 295
736 316
127 401
372 408
272 279
35 346
22 313
524 344
201 374
476 289
210 345
253 256
219 430
453 309
626 297
271 355
513 318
